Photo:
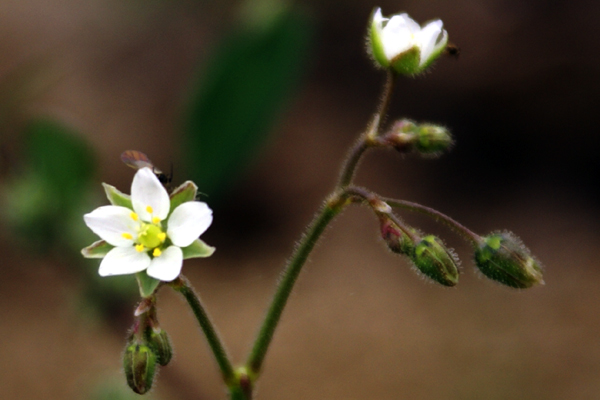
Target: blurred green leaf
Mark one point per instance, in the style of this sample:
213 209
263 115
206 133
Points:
41 201
242 93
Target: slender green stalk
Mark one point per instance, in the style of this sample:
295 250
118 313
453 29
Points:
368 138
436 215
379 206
314 231
182 285
286 284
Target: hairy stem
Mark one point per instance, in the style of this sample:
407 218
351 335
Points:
436 215
286 284
183 286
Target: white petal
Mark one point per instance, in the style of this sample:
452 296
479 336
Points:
168 265
378 18
428 37
397 36
110 222
146 190
123 260
188 222
441 43
410 23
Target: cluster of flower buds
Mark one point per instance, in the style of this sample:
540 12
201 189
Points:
147 345
427 139
499 256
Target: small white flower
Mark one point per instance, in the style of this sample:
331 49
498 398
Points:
148 236
401 44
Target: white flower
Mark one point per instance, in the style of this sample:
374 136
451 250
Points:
401 44
140 233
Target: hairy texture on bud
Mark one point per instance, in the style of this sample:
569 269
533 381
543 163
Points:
160 344
139 363
432 139
396 240
435 261
503 258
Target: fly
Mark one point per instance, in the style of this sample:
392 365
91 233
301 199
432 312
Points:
136 160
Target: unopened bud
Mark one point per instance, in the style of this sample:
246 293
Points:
139 363
161 344
503 258
396 240
428 139
432 139
434 260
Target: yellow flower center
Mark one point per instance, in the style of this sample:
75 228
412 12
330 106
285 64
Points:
151 236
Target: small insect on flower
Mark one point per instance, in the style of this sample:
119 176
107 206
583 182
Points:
138 160
452 50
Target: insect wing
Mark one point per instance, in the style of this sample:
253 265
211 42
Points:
136 159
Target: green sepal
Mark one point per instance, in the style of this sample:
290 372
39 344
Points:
407 63
185 192
97 249
146 283
435 261
160 342
139 364
116 197
198 249
503 258
433 56
376 47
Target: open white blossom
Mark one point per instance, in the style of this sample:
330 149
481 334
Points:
146 236
401 44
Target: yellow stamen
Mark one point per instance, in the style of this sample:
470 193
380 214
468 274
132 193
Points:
162 236
126 235
156 252
134 216
139 247
155 220
149 209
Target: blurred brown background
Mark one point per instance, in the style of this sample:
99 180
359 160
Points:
521 101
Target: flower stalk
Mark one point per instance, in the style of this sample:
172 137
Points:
286 284
182 285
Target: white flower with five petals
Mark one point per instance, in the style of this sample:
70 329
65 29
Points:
149 231
401 44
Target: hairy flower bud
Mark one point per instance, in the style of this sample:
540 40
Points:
160 343
432 139
396 240
434 260
503 258
139 363
428 139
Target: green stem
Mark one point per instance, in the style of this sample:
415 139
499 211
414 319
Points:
436 215
182 285
368 138
286 284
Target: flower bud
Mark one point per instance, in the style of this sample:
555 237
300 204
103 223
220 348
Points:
139 363
160 343
396 240
503 258
432 139
428 139
434 260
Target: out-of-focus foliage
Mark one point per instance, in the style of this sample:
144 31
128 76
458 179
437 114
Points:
48 194
241 94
